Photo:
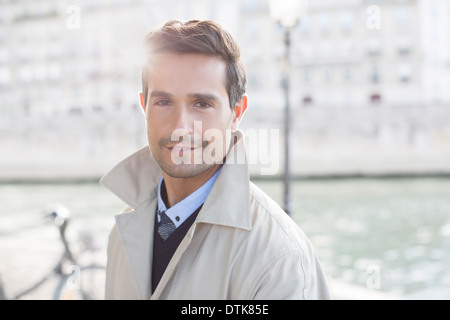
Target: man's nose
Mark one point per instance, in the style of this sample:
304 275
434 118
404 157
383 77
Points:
184 120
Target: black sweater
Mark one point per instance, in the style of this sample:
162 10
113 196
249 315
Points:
163 250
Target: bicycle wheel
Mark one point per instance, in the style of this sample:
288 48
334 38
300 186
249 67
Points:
82 283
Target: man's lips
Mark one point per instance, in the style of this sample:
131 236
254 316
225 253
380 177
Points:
182 147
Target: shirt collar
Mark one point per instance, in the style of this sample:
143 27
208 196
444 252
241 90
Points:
179 212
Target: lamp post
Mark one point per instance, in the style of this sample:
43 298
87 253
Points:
287 13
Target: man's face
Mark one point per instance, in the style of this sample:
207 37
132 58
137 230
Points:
188 112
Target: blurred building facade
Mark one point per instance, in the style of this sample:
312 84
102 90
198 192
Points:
366 76
393 53
74 57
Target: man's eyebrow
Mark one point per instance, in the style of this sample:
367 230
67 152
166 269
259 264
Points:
204 96
198 96
160 94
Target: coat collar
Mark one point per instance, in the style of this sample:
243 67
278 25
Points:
135 180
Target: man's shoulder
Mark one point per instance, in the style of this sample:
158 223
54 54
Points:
269 217
260 198
264 203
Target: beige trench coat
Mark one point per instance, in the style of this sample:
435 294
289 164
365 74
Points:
242 245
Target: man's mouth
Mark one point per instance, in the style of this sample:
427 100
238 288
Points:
182 147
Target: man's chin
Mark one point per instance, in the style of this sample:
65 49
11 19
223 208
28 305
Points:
185 171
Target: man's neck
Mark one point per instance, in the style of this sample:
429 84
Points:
179 188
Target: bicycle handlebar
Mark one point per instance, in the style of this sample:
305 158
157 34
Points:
59 213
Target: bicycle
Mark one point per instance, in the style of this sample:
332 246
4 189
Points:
77 282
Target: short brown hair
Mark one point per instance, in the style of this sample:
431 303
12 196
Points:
205 37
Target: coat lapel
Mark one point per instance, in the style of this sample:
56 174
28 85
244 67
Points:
136 232
134 180
228 203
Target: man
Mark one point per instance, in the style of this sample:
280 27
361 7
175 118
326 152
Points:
195 226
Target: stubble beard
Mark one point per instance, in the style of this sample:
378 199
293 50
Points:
183 170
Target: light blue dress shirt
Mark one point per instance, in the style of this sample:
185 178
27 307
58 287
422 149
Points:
183 209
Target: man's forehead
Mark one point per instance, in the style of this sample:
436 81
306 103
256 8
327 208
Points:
168 58
198 66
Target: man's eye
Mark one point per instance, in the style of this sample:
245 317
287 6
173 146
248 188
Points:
203 105
162 103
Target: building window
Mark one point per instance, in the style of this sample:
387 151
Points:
347 73
375 98
24 53
403 51
304 24
346 20
25 74
403 46
402 15
325 49
374 47
347 48
374 75
307 100
54 50
5 76
4 55
306 75
54 71
324 21
326 74
404 73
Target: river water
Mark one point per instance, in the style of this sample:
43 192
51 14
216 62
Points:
390 235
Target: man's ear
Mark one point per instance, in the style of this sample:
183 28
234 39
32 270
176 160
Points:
238 112
142 100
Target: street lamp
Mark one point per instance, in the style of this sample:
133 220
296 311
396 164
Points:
287 13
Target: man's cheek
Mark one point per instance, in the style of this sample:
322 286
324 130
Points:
215 151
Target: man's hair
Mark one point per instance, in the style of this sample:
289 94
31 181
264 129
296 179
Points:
203 37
